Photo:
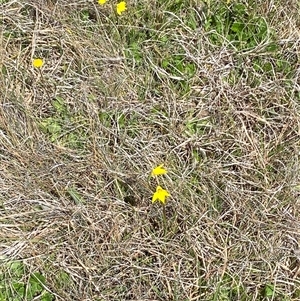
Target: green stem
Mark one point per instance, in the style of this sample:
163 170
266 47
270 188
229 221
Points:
164 219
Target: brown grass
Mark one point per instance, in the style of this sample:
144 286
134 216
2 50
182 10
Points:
80 201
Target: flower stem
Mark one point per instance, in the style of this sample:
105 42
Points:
164 219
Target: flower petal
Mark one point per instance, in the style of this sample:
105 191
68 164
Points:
37 63
160 194
121 7
159 170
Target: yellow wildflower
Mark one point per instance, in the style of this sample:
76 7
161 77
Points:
121 7
101 2
159 170
160 194
37 63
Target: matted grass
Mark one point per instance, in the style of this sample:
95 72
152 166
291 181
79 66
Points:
208 88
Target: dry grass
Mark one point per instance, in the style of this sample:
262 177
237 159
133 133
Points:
79 139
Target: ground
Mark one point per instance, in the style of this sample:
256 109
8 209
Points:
209 89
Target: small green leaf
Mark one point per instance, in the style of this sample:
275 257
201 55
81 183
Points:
17 268
237 27
75 196
37 278
54 127
269 290
59 105
47 297
272 47
19 288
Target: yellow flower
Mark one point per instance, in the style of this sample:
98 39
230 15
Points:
37 63
159 170
121 7
160 194
101 2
